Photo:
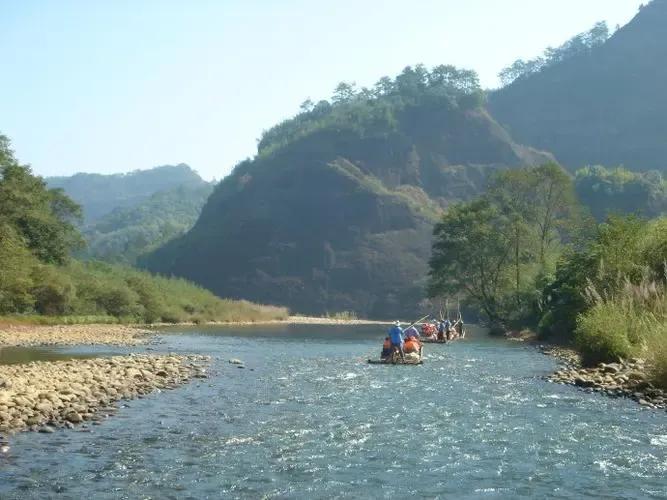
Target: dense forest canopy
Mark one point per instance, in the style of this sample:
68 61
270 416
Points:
42 218
374 111
495 250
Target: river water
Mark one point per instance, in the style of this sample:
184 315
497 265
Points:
308 418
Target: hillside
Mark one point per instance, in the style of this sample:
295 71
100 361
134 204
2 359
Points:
99 194
126 233
38 277
601 106
336 210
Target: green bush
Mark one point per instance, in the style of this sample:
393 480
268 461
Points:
53 292
602 334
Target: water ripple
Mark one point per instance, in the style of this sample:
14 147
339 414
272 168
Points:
314 421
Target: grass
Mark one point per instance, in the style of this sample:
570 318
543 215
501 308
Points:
632 322
95 292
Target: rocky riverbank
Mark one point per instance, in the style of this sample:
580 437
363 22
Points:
623 379
43 396
36 335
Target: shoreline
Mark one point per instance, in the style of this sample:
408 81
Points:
47 395
291 320
29 335
623 379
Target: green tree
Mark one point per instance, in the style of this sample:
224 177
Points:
344 92
472 253
16 265
43 217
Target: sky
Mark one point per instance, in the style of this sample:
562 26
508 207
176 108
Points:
114 86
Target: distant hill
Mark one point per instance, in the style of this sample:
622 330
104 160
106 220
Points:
335 212
126 233
99 194
604 105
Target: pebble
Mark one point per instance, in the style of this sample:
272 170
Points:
69 393
622 379
34 335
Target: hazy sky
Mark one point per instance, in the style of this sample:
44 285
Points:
113 86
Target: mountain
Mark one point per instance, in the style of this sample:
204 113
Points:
606 105
128 232
335 213
99 194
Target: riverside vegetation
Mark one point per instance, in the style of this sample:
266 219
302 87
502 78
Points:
38 233
527 255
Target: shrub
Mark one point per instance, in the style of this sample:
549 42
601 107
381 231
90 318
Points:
54 292
602 334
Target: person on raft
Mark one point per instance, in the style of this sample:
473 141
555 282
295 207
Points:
396 336
387 351
412 332
443 329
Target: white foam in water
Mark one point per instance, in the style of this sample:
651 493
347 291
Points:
659 440
316 421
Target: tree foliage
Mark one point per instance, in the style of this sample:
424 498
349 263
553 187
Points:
579 44
498 248
621 191
37 276
127 233
374 111
621 250
44 218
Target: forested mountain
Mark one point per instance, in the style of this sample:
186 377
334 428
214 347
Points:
126 233
99 194
595 100
336 210
38 232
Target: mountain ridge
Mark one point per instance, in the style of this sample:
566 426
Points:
99 194
574 108
336 211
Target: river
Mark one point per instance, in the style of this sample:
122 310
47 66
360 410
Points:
308 418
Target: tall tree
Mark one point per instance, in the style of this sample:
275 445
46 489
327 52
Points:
472 253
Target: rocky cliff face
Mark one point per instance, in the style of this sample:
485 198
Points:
606 106
340 219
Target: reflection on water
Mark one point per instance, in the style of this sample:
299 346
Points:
308 418
18 355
